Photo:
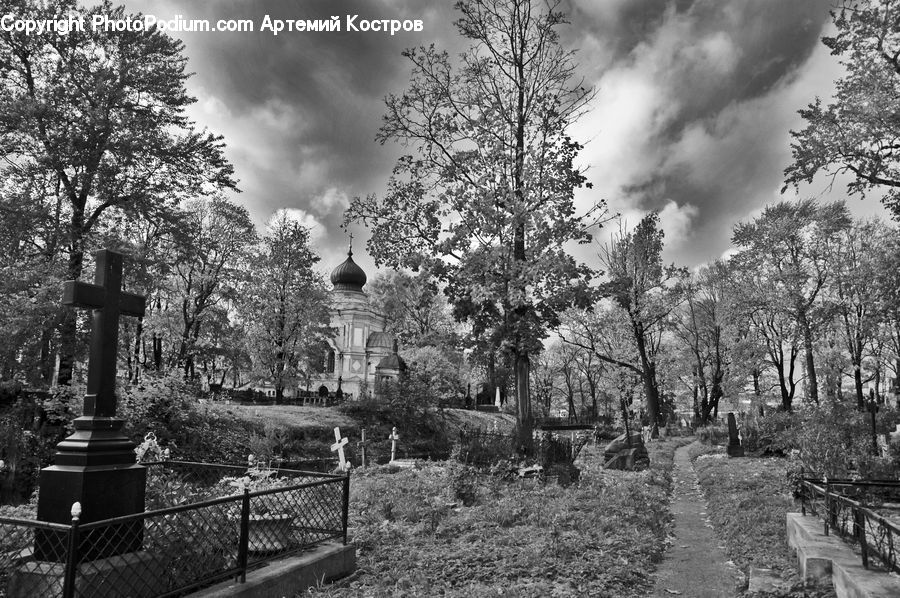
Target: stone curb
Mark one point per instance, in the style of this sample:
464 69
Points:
829 561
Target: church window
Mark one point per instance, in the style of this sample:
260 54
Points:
329 366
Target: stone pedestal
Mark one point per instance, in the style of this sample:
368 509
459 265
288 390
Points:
136 575
94 467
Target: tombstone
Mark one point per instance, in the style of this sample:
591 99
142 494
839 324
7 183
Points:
626 451
338 446
394 437
94 475
734 448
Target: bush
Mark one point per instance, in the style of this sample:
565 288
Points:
713 434
836 441
772 435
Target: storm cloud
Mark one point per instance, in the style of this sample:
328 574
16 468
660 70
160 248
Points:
695 100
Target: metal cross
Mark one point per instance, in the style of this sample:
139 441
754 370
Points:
108 302
394 437
339 447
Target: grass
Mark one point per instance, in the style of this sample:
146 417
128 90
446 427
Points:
747 501
444 530
287 416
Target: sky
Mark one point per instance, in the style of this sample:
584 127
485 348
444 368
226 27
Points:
695 101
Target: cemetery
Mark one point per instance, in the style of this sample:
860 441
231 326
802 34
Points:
530 298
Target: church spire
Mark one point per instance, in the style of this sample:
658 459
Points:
350 249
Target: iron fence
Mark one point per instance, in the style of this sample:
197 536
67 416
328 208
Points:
853 520
173 549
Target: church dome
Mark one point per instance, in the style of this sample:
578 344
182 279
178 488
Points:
348 276
380 340
392 362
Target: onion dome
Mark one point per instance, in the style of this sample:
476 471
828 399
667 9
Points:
380 340
348 276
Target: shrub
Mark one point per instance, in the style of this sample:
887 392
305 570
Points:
713 434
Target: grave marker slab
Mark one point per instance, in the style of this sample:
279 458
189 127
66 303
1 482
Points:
734 441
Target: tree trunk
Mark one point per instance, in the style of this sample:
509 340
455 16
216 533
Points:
812 383
68 329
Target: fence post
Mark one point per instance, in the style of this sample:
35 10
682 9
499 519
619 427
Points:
860 521
72 553
245 535
346 505
827 517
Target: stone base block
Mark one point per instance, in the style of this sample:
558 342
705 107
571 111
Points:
290 576
735 450
133 575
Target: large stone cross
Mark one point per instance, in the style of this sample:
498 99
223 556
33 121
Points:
108 301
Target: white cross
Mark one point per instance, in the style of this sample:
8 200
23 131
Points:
339 447
394 437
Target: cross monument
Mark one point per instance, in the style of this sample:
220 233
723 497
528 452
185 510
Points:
95 466
338 446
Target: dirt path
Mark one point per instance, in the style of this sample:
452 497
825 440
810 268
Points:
695 565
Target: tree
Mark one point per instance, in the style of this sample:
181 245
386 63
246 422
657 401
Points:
789 249
215 243
647 291
102 114
854 292
286 306
413 305
701 324
858 132
487 199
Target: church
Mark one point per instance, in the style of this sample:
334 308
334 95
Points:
362 351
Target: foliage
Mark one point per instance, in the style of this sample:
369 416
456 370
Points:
772 435
854 133
212 243
599 537
167 406
747 500
487 202
836 441
713 434
93 124
786 258
414 307
285 306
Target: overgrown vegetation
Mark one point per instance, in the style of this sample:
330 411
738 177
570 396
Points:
747 500
457 533
834 440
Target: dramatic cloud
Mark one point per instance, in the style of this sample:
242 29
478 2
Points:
695 101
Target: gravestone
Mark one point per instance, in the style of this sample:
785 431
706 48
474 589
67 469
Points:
94 476
734 448
394 437
339 444
95 466
627 451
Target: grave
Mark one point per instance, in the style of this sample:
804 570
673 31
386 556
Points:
627 451
403 463
338 446
94 472
734 449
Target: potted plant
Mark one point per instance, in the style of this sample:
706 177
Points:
271 527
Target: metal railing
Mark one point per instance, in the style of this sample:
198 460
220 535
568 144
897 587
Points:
176 548
854 520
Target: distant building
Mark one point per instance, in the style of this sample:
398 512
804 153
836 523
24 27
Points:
362 351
